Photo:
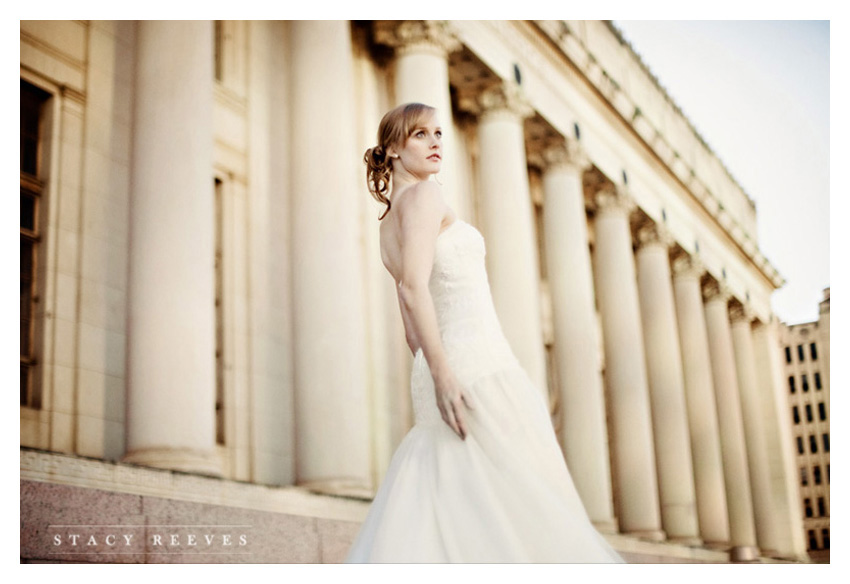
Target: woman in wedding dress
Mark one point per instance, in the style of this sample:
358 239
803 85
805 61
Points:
480 476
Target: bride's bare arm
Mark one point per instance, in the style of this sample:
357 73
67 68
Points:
419 220
419 225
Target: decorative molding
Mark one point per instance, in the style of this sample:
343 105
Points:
72 94
183 459
52 51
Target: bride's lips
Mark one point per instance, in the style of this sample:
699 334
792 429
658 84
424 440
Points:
434 157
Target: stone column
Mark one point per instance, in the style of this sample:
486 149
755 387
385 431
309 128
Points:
780 441
422 48
507 223
633 453
702 407
171 352
752 408
732 445
666 386
584 433
331 390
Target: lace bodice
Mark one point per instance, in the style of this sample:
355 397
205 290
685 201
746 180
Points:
469 328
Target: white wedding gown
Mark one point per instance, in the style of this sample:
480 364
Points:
502 495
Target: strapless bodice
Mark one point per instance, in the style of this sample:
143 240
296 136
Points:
469 327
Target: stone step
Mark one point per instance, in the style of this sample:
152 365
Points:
77 509
63 523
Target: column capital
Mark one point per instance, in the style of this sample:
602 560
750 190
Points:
654 234
567 154
761 324
613 198
714 290
434 36
687 266
505 98
741 313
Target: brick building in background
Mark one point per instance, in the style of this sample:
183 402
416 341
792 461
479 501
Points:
806 359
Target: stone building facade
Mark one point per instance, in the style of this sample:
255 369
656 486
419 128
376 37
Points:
206 320
806 359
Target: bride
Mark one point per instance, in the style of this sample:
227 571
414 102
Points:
480 476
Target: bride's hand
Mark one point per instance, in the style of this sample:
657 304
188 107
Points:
451 401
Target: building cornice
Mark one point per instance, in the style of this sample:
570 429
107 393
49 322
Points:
563 39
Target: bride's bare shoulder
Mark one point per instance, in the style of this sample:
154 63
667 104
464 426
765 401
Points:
422 200
426 191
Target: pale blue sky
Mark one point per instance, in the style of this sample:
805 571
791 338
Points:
758 93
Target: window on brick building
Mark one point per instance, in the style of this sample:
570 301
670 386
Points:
817 475
821 507
818 384
787 354
813 541
814 352
813 445
825 443
801 355
825 536
809 417
800 445
822 411
796 413
791 384
804 477
807 503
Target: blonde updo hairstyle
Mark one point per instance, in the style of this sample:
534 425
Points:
393 131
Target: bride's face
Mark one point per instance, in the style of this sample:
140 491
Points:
422 153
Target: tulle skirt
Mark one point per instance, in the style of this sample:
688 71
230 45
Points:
502 495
